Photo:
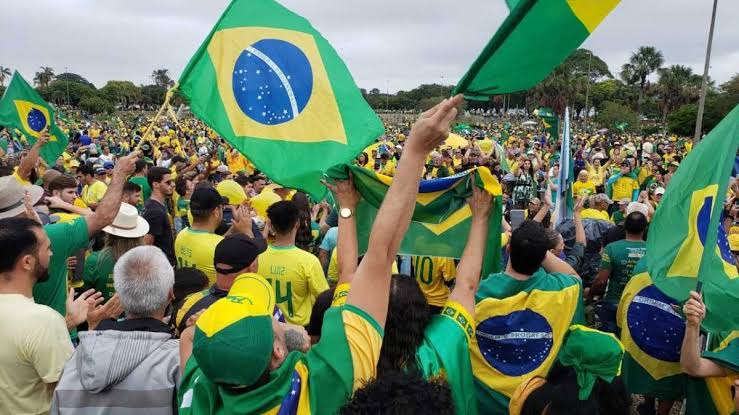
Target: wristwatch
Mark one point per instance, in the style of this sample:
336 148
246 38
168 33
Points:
345 213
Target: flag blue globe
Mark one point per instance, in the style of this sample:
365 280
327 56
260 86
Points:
36 120
272 81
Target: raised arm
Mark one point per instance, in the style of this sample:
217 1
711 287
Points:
470 266
110 203
29 162
371 285
347 248
691 361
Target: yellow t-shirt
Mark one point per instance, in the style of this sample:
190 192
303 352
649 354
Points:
194 248
431 274
93 193
235 163
297 278
596 174
35 348
332 273
623 188
583 189
388 169
594 214
19 179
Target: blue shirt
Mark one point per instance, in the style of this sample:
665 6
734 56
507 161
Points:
85 140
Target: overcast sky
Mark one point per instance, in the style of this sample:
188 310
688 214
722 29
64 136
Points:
386 44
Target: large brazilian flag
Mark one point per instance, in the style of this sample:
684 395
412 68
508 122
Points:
441 219
23 108
652 333
535 37
689 220
275 89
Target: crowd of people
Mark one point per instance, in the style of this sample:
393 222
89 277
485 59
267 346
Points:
154 269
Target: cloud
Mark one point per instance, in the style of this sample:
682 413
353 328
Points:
386 44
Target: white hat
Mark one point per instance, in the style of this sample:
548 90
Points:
128 223
12 195
222 169
637 207
659 191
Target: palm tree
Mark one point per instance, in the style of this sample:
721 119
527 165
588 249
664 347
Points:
161 78
44 76
677 86
4 74
644 61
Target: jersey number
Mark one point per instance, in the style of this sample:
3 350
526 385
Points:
288 297
424 268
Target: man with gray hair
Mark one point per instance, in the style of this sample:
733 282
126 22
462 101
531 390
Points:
132 365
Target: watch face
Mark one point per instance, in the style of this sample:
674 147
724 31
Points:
345 212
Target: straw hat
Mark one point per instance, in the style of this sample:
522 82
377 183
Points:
12 196
128 223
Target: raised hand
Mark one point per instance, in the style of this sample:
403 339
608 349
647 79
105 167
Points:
432 127
345 192
126 165
481 202
77 309
112 309
694 310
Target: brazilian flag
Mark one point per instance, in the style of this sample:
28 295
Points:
275 89
441 219
520 328
23 108
550 121
652 333
714 396
535 37
689 220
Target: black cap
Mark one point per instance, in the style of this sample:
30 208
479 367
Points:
237 252
206 198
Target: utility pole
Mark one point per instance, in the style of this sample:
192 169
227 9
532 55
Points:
387 95
704 85
587 91
67 82
441 87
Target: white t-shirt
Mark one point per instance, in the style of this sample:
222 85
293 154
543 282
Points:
35 347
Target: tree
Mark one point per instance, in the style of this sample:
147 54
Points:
67 92
161 78
614 113
152 95
73 77
677 85
374 91
642 63
124 93
96 105
4 74
44 77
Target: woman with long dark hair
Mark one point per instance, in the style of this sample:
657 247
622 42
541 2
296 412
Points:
304 239
525 188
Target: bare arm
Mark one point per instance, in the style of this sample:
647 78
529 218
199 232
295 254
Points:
347 248
58 203
691 361
580 237
599 284
470 266
371 286
109 205
29 162
546 204
553 264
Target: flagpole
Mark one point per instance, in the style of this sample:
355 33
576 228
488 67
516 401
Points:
165 104
704 84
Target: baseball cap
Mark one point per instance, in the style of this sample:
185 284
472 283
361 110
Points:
108 165
234 337
237 251
624 201
232 191
13 194
222 169
659 191
601 197
206 198
637 207
99 169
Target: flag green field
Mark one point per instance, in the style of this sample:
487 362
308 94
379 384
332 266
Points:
441 219
536 36
275 89
689 220
23 108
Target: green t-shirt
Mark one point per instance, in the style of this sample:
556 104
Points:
620 257
618 217
317 382
444 352
4 144
99 273
183 206
66 239
145 188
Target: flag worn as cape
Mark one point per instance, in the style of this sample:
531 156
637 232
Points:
441 219
23 108
275 89
689 220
